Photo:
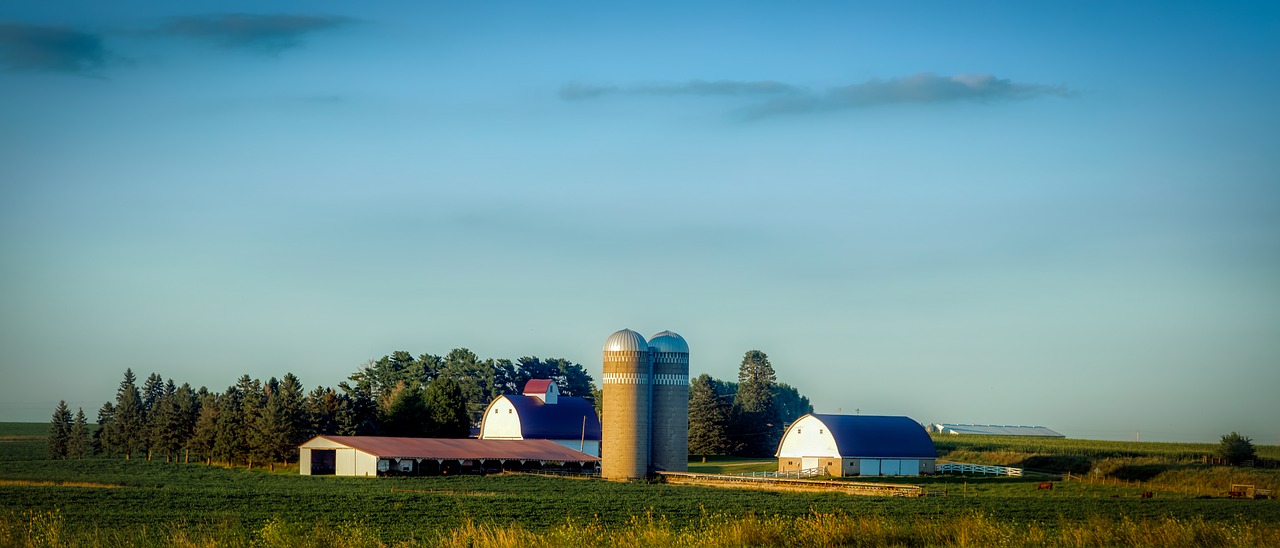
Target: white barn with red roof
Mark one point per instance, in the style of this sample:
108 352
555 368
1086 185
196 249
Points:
541 413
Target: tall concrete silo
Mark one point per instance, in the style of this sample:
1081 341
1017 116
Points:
628 368
670 402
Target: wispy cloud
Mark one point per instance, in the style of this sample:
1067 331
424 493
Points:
917 88
577 91
259 33
778 98
50 49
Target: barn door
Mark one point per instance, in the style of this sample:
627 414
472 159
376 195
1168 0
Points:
808 462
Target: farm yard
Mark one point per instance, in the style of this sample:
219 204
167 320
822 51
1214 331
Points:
114 502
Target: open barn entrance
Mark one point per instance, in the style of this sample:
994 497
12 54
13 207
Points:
323 462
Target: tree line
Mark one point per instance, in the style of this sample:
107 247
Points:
747 417
254 422
262 423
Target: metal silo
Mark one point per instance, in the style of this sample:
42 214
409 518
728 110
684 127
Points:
670 427
624 450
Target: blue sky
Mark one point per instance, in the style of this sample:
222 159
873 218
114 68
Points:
1065 215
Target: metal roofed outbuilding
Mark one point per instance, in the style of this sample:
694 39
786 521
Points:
857 445
378 455
993 430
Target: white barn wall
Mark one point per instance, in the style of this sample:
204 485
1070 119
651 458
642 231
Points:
501 421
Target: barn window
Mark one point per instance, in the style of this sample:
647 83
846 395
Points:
819 430
509 411
799 430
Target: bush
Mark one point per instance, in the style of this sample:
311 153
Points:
1236 449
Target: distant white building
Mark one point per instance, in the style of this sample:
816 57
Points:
857 445
993 430
541 413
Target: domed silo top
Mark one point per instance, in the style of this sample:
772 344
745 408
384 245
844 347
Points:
626 341
668 341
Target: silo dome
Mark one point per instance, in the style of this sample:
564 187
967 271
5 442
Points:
668 341
627 341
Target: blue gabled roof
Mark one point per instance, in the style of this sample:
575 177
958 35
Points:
559 421
879 436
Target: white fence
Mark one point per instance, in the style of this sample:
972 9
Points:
805 473
962 468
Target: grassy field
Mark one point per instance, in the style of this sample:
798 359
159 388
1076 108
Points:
112 502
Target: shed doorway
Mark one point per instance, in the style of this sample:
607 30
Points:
323 462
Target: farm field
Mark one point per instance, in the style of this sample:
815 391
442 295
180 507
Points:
114 502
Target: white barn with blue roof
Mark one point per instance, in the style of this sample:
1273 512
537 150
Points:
857 445
541 413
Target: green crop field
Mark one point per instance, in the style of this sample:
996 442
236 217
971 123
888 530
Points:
114 502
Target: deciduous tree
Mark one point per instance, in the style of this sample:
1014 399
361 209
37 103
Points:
1236 448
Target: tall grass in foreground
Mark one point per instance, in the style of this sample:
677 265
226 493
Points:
48 529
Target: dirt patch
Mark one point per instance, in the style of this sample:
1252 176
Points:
29 483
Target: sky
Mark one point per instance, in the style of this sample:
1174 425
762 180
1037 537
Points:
1061 214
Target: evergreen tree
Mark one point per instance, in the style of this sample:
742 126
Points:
173 419
474 377
357 412
708 418
405 413
102 442
152 393
446 410
253 399
321 411
270 433
205 430
128 427
59 431
79 444
295 422
757 427
229 431
790 403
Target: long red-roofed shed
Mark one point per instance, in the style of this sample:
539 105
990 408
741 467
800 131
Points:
378 455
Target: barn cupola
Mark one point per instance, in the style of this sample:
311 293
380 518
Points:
543 389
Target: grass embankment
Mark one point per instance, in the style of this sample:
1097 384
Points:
23 431
1173 466
731 465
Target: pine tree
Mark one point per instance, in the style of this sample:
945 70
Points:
171 421
59 431
151 394
292 400
321 411
708 418
102 440
757 427
79 444
357 412
446 409
405 412
253 398
205 430
128 426
229 430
